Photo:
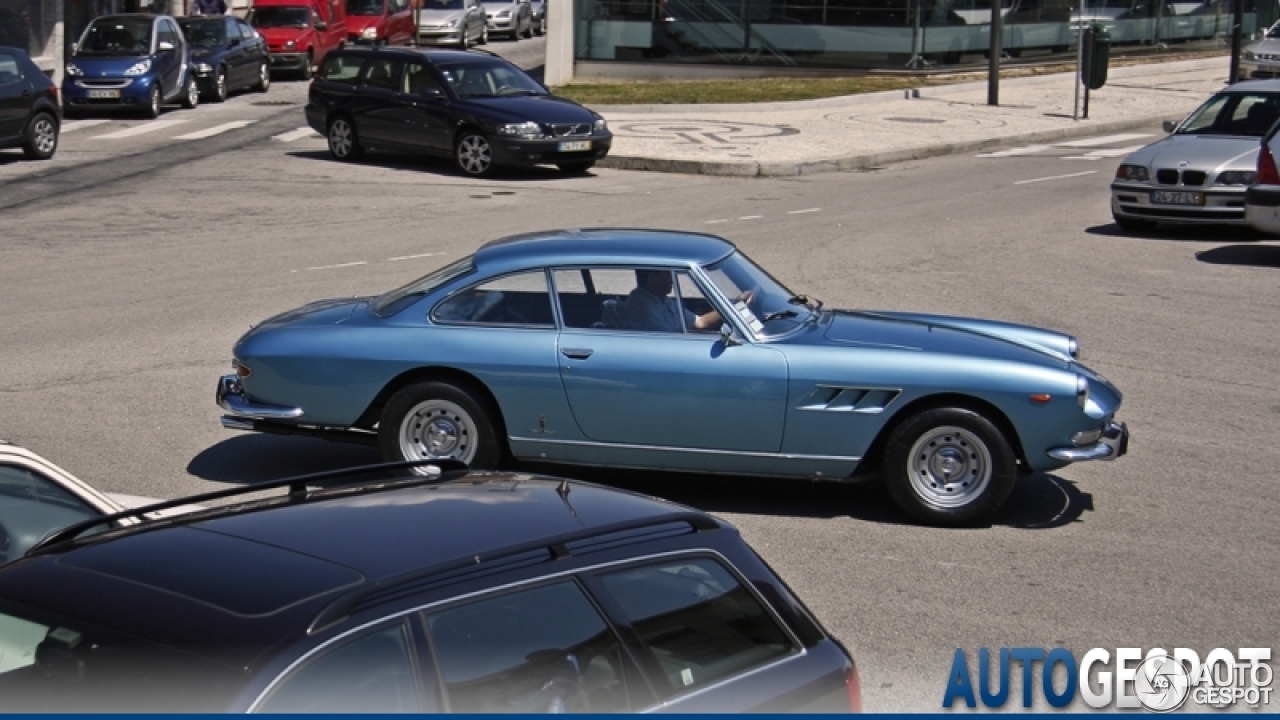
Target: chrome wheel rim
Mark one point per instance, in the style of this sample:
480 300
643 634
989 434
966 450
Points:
466 39
437 429
474 155
340 140
155 101
264 76
949 467
193 93
222 85
45 135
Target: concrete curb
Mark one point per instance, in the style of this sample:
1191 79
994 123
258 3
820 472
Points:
866 161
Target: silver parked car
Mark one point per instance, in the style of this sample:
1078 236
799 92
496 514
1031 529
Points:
539 8
452 22
1199 173
1261 59
1262 199
513 18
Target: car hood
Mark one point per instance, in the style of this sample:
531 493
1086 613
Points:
538 108
97 66
951 334
1203 152
437 17
356 23
1265 46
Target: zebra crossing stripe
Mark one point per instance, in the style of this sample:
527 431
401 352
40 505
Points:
1104 140
295 134
73 125
216 130
152 126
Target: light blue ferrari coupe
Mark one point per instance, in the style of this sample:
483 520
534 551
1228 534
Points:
674 351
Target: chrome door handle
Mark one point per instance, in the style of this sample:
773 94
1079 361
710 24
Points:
577 353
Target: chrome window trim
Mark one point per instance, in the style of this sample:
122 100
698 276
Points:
799 649
702 451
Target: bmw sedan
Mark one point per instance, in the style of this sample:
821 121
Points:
673 350
475 108
1199 173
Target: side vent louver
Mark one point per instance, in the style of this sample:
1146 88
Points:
832 398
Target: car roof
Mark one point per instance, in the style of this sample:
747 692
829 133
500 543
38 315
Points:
232 581
606 245
435 55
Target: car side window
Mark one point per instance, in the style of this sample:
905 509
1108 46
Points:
10 70
592 297
246 32
30 506
170 34
417 78
383 73
699 622
371 674
233 30
521 299
341 69
545 649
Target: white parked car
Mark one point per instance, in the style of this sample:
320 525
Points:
38 497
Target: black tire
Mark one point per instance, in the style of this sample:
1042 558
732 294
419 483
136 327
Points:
344 143
41 136
575 168
152 108
220 90
306 67
528 33
1134 224
264 78
949 467
465 42
484 35
438 420
473 154
191 94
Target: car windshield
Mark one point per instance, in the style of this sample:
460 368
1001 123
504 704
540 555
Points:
1247 114
204 33
485 80
55 663
393 302
364 7
116 36
769 308
280 16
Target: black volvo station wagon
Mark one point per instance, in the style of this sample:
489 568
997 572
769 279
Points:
411 588
473 107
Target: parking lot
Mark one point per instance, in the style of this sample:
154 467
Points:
133 261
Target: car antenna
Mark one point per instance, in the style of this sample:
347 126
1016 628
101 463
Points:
563 491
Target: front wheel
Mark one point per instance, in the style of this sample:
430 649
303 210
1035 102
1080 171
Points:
949 467
220 86
191 97
42 137
307 70
264 78
152 109
473 154
437 420
344 144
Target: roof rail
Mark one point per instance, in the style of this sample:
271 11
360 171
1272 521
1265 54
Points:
446 470
340 607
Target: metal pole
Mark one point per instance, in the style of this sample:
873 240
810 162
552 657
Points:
993 62
1075 110
1237 24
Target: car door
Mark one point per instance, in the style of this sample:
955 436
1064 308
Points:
172 62
237 75
255 49
475 18
422 117
15 97
375 105
36 499
668 388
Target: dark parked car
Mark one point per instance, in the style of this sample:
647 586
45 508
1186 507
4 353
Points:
29 113
226 54
472 106
412 588
130 62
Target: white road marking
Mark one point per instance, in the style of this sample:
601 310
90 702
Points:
1014 152
1107 153
413 257
152 126
215 130
295 134
1055 177
73 125
339 265
717 222
1104 140
806 210
750 217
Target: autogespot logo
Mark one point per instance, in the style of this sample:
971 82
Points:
1158 681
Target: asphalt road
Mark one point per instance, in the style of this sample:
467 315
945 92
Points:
130 265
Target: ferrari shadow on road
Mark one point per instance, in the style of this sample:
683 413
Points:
440 166
1038 501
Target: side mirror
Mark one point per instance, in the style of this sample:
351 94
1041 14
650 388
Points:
166 45
726 335
321 26
1169 126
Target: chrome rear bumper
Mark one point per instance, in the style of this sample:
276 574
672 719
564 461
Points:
230 397
1113 443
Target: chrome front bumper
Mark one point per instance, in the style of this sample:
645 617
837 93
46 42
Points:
1113 443
230 397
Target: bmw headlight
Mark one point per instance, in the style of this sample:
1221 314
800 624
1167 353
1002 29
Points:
370 33
452 23
524 130
74 71
1236 177
1132 172
138 68
204 68
599 126
1082 391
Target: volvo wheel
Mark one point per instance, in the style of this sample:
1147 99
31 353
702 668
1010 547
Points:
437 420
343 142
473 153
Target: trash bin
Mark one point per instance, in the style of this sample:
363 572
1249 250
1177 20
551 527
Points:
1097 55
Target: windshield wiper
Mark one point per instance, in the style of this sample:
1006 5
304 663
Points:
778 314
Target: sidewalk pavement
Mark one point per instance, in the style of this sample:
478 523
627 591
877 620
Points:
870 130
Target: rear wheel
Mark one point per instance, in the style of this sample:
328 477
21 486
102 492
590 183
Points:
437 420
220 86
343 142
264 78
473 154
484 35
152 108
949 466
466 39
42 137
307 70
1134 224
191 96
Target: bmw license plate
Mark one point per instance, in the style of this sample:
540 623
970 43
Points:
1176 197
104 94
575 145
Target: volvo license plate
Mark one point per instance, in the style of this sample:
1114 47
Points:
575 145
104 94
1176 197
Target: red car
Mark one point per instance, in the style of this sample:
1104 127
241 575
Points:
379 22
299 33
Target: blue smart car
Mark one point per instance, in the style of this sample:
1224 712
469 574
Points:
131 62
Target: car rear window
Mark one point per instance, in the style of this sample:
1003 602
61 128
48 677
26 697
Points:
700 623
402 297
